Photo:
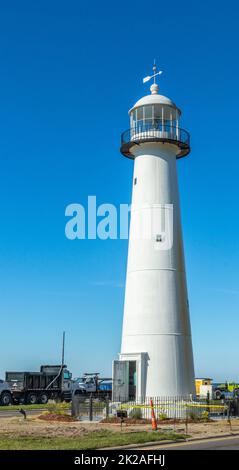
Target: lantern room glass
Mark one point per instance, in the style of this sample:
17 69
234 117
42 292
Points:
154 116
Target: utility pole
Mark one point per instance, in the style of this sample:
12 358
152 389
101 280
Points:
63 348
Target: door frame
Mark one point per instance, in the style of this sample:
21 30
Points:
141 371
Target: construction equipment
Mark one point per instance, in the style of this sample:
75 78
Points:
224 390
92 384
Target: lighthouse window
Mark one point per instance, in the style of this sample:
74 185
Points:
148 112
139 114
157 111
158 238
135 181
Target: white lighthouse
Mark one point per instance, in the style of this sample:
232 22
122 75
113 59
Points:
156 357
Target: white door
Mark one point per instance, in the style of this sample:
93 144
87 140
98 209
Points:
120 380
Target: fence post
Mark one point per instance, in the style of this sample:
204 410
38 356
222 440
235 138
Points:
237 405
107 407
91 408
186 422
208 402
229 415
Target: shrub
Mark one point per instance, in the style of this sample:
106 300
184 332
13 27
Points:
162 416
193 416
205 416
58 408
135 413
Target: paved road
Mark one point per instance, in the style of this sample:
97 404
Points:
10 413
222 443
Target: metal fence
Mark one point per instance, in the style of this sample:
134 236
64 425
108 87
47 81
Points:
155 132
176 408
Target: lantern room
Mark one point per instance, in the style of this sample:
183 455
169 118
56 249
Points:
153 110
155 118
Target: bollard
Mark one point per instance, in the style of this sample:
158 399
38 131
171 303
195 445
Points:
75 406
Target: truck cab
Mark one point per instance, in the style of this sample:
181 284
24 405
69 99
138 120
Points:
86 385
5 393
92 384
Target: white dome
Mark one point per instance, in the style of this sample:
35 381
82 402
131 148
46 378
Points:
154 99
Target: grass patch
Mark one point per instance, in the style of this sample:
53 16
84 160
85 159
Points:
93 440
25 407
84 406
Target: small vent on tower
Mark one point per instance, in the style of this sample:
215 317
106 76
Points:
158 238
135 181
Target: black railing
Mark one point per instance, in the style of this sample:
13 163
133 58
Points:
158 131
179 407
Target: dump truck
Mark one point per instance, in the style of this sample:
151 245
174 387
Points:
52 382
92 384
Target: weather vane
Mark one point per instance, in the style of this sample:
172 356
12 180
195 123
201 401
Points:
155 73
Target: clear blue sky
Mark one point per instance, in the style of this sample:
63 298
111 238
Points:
69 73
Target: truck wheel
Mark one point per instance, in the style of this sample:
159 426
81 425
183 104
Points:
5 399
218 394
43 399
32 399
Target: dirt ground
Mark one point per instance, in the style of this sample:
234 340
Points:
33 426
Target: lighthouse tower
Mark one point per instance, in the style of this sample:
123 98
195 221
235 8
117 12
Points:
156 356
